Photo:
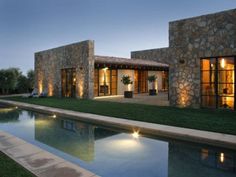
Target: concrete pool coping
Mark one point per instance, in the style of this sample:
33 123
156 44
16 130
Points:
186 134
38 161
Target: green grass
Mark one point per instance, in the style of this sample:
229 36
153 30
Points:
223 121
9 168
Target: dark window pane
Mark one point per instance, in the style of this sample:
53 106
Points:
208 76
208 101
208 89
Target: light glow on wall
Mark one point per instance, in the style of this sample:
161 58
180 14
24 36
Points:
40 86
50 89
222 63
183 97
129 87
80 88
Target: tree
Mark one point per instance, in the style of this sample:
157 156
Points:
22 84
8 79
30 78
13 81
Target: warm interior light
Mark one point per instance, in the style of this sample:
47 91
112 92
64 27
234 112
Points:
222 157
106 68
135 135
74 79
222 63
204 154
129 87
104 77
54 116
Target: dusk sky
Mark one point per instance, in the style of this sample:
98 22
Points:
117 26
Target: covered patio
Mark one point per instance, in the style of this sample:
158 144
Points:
161 99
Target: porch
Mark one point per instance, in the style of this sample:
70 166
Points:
161 99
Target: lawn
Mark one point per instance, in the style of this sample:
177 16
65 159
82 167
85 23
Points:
9 168
223 121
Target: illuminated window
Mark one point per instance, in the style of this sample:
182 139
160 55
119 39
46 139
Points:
218 82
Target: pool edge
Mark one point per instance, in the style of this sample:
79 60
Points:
186 134
30 154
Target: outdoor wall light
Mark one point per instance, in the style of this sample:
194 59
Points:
54 116
181 61
222 157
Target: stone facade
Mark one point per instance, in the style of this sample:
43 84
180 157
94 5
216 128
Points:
49 63
190 40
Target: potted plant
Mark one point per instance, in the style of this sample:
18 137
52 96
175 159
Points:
152 80
127 82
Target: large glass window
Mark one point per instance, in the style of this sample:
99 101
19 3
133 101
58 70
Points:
68 82
165 80
105 82
218 82
140 81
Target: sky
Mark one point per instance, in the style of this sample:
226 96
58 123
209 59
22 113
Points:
117 26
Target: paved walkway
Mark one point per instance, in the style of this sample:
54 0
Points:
161 99
38 161
218 139
11 95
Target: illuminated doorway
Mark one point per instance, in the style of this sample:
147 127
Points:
140 81
68 82
105 82
218 82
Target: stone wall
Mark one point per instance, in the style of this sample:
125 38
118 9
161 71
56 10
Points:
190 40
48 65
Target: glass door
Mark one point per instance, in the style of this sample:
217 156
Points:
68 82
218 82
226 82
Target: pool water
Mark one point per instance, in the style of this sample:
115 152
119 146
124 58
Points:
111 153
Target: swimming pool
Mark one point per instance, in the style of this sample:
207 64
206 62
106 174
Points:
115 153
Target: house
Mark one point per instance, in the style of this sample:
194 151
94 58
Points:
201 57
199 65
74 71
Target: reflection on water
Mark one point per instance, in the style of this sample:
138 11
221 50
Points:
9 114
72 137
193 160
113 153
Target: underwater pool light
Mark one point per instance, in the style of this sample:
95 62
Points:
135 134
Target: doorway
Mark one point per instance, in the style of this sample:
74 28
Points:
68 82
140 81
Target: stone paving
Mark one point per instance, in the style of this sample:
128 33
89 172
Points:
161 99
39 162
